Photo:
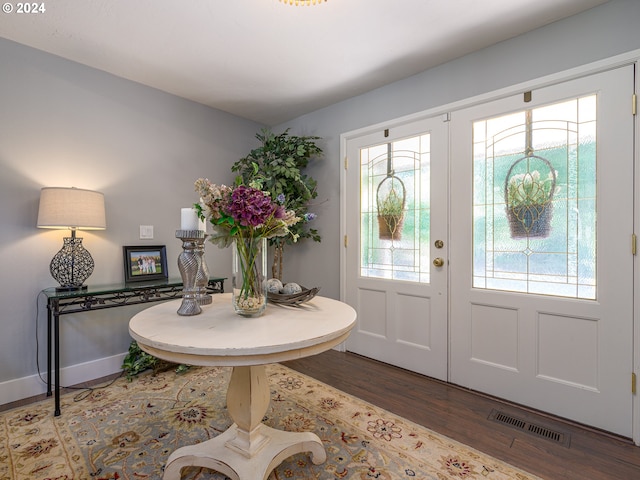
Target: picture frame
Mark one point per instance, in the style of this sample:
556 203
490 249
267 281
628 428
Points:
143 263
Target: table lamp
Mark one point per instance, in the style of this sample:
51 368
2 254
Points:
72 208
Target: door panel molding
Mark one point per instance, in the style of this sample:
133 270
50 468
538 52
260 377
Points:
574 356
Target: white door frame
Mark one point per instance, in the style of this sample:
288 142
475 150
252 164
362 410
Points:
588 69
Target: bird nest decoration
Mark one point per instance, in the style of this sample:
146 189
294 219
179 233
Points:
293 298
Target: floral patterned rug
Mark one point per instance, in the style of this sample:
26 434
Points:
128 429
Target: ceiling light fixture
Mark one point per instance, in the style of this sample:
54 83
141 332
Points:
305 3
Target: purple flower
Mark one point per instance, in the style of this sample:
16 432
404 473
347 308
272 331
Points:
280 212
250 207
243 212
309 216
280 198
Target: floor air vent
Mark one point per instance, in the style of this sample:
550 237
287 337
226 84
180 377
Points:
561 438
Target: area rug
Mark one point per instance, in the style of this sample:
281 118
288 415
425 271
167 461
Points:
127 430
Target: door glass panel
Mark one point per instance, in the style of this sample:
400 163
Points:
395 210
534 200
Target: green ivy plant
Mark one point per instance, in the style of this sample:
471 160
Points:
137 361
276 166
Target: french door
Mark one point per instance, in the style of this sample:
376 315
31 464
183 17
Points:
542 266
511 272
395 271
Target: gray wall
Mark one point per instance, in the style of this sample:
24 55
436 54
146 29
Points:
594 35
63 124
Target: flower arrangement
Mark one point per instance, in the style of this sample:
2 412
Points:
390 199
391 216
392 205
242 212
246 216
529 203
528 189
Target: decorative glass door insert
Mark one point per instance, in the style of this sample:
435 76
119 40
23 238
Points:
534 200
395 209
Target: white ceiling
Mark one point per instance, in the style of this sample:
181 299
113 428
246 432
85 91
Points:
268 61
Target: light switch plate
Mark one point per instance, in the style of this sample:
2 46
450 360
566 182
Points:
146 232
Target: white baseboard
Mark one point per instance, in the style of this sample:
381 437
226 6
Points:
13 390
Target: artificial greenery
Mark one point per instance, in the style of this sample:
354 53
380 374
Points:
392 205
276 166
137 361
529 189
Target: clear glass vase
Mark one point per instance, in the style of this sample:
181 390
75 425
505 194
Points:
249 263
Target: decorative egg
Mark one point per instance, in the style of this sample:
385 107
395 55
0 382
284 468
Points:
291 288
274 285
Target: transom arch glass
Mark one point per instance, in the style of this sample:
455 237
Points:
534 200
395 209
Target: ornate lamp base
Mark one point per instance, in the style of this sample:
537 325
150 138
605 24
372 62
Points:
72 265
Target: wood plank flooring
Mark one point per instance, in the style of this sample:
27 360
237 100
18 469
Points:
463 416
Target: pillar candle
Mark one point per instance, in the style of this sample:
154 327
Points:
189 220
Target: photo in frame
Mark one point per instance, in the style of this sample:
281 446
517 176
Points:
145 263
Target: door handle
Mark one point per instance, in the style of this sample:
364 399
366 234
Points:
438 261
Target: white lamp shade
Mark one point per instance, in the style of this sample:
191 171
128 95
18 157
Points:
71 208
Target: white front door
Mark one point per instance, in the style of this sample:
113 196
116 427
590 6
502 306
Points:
541 300
389 275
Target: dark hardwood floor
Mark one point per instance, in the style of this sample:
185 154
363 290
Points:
80 390
463 416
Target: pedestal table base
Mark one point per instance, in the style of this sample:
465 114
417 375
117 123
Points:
248 450
216 455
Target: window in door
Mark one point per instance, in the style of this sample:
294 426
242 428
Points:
534 200
395 209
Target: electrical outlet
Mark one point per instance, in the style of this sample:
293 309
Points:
146 232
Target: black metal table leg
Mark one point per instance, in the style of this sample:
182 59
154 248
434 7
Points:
56 336
67 302
49 306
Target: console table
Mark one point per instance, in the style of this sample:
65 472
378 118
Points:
249 449
98 298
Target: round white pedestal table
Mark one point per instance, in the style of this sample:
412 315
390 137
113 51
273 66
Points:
248 450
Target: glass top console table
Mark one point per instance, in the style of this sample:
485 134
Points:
99 297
